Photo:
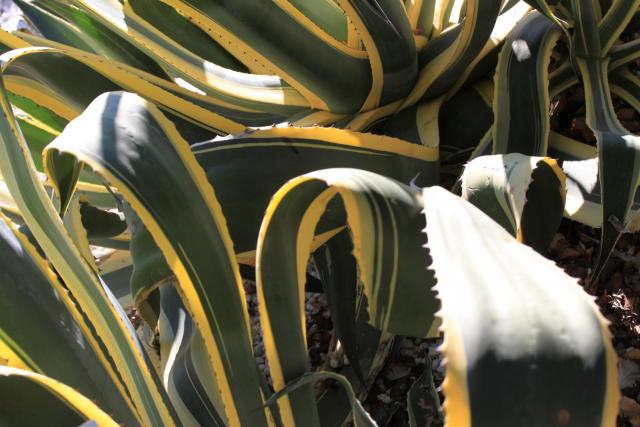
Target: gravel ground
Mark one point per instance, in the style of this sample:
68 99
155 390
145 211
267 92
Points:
318 323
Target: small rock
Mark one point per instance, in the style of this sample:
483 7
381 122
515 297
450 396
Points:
407 344
568 253
625 113
384 398
628 373
259 349
632 353
396 371
630 409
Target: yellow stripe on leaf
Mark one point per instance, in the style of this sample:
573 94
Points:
75 400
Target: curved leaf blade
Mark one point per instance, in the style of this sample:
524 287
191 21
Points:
134 147
539 343
58 403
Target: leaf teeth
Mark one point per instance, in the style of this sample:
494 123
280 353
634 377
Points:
446 386
441 314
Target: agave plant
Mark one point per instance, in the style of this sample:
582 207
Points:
154 152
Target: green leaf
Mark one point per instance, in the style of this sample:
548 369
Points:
135 148
626 86
339 275
375 205
42 328
21 391
420 15
102 76
273 156
327 73
417 124
525 195
384 218
100 223
423 403
326 14
475 101
583 200
111 325
586 41
537 340
565 148
364 346
523 126
185 368
360 417
455 52
51 120
388 38
38 136
66 24
624 53
617 151
254 92
181 31
615 21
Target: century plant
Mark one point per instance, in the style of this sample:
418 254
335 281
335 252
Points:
154 153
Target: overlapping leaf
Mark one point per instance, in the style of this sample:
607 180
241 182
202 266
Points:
137 150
